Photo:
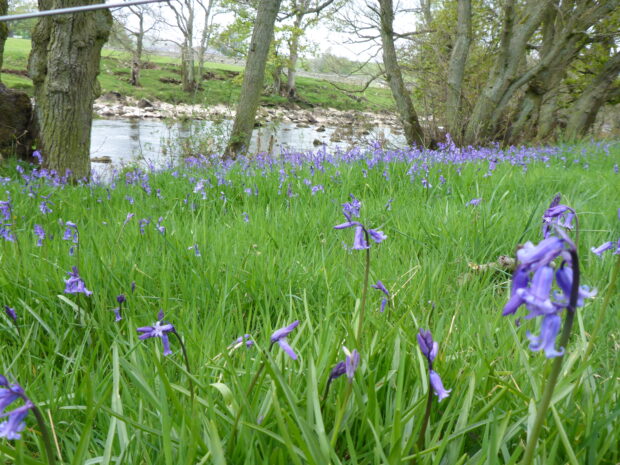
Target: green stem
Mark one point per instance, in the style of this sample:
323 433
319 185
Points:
360 323
530 448
427 416
184 350
340 414
47 440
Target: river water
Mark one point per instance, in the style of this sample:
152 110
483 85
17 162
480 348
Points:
153 141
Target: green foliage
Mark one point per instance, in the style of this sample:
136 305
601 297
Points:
22 28
115 399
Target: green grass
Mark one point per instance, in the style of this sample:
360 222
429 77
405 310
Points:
222 88
115 399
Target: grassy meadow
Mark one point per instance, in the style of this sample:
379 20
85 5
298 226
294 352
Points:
249 247
221 86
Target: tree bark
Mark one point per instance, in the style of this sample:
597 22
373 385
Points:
63 65
408 117
4 30
253 77
515 34
583 112
204 38
136 63
456 70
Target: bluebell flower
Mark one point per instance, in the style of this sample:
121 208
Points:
159 329
604 247
359 241
429 349
242 340
75 284
14 423
351 362
44 207
437 386
280 335
549 330
40 233
6 233
5 209
380 287
10 312
71 232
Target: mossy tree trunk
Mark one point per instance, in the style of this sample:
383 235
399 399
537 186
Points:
253 77
63 65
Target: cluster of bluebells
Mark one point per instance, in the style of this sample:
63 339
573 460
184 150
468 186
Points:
14 420
533 279
429 349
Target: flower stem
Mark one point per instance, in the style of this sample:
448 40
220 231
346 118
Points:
47 440
360 323
184 350
427 416
528 456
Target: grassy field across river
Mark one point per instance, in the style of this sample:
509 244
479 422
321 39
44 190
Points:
161 80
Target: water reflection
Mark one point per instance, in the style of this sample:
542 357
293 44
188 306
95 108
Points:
127 141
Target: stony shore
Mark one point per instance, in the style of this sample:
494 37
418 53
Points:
113 105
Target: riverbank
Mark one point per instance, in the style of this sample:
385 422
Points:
113 105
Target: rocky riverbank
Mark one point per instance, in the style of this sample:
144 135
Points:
114 105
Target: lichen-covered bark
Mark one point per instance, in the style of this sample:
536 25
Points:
63 65
4 31
408 116
253 77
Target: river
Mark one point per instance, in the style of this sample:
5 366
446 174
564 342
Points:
153 141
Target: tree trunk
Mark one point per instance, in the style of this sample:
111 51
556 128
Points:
204 39
4 30
63 65
136 64
187 55
253 77
291 89
409 119
583 112
456 70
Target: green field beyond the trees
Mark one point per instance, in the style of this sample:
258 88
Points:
245 248
161 80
